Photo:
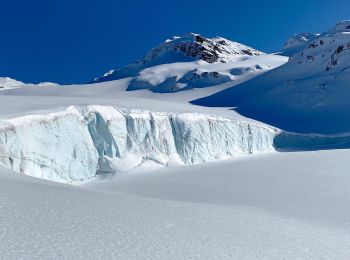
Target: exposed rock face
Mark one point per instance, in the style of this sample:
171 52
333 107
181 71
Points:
212 50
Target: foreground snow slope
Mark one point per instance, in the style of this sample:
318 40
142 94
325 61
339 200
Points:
280 206
75 144
307 94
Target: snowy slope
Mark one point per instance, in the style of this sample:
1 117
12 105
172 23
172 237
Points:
179 76
6 82
9 83
193 61
298 42
307 94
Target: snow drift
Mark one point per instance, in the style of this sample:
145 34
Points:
76 144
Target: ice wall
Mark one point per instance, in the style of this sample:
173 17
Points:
78 143
56 147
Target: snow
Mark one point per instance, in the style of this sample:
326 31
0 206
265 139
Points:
103 141
307 94
278 206
178 76
41 99
187 48
6 82
9 83
298 42
341 27
75 144
280 193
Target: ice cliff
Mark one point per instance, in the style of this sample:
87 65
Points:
80 142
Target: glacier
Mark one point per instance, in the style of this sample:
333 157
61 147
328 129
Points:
81 142
76 144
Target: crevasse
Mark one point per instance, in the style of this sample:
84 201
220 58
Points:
80 142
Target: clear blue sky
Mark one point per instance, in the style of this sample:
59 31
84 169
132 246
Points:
72 41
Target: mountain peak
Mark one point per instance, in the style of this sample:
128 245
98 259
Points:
198 47
7 83
188 47
299 41
329 51
340 27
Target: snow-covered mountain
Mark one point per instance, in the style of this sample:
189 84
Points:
6 82
193 61
298 42
9 83
189 47
141 157
310 93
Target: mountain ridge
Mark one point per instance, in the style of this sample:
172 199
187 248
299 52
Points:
189 47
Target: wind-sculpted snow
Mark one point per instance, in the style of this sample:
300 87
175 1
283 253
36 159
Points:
80 142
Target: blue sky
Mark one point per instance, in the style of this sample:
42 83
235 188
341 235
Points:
73 41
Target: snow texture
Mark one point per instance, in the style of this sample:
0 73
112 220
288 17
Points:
271 206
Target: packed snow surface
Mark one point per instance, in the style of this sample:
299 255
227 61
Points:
276 206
